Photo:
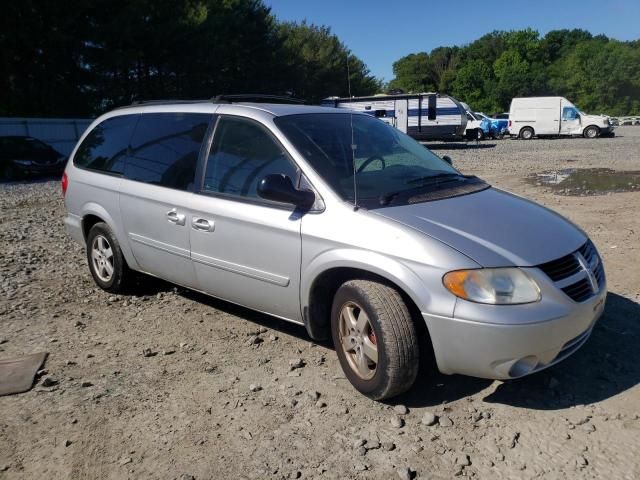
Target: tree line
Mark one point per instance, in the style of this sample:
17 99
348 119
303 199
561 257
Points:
83 57
599 74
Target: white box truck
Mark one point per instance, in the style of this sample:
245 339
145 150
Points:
553 116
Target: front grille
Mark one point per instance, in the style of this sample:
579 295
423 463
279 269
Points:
573 273
579 291
561 268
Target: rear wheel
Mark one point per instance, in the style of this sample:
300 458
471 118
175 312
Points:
106 262
375 338
526 133
591 132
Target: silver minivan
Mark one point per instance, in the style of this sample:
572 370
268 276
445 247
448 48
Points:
336 221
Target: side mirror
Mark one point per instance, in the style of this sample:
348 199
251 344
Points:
279 188
447 159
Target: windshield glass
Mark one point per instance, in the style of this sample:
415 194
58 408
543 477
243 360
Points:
386 160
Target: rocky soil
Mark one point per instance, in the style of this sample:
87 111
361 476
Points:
169 383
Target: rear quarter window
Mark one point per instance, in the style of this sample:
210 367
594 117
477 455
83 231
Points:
105 147
165 147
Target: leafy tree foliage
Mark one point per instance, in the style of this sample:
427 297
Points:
82 57
599 74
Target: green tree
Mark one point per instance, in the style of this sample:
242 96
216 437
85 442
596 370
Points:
316 64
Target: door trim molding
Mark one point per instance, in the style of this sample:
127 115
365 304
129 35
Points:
165 247
241 270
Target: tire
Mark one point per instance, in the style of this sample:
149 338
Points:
591 132
480 134
106 262
387 326
526 133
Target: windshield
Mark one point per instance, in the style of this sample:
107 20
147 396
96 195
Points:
387 162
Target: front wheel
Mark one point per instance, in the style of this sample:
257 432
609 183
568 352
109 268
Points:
591 132
480 134
375 338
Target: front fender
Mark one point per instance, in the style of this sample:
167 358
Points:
381 265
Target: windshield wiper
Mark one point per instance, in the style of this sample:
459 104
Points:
437 178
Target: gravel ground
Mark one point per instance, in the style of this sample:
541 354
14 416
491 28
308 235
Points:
168 383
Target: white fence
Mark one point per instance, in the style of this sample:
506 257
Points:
61 133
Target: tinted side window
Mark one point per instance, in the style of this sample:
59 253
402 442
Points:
243 153
105 148
164 148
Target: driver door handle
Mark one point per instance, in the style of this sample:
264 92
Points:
174 217
202 224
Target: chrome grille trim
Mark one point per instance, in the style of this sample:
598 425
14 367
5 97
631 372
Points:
580 275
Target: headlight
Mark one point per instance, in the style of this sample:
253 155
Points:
497 286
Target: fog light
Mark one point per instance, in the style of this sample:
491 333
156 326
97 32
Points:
523 366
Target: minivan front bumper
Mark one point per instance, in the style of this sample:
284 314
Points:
505 351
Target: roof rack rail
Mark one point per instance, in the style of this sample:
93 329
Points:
255 98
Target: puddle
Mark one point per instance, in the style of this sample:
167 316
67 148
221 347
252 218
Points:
587 181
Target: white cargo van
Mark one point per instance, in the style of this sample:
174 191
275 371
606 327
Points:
542 116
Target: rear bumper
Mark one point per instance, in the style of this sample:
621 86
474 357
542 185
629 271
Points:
505 351
73 226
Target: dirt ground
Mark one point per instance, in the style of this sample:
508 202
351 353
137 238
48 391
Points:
169 383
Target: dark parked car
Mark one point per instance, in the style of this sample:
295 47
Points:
21 156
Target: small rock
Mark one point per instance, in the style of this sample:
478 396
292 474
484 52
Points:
169 351
429 419
388 446
397 422
445 421
186 476
321 404
589 427
296 363
126 461
254 340
272 337
401 409
255 387
67 443
361 451
404 473
313 395
360 467
463 459
4 467
86 384
581 462
373 445
147 352
262 330
359 443
49 382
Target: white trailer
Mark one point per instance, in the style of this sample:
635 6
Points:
424 116
554 116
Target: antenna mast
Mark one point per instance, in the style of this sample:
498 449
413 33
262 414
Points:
353 146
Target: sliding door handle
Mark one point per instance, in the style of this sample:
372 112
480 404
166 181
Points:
174 217
202 224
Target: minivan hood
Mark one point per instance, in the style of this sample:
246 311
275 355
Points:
492 227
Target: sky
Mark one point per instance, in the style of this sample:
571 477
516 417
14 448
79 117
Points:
380 32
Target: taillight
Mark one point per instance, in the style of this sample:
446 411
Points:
64 183
509 123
